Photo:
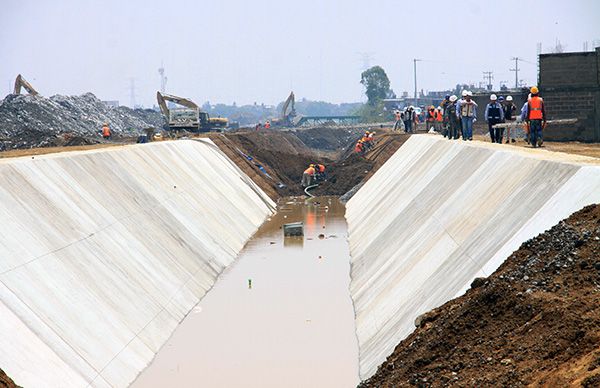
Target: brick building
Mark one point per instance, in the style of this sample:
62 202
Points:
570 86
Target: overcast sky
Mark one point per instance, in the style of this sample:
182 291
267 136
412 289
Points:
258 50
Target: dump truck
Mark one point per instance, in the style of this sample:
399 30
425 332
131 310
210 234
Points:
189 116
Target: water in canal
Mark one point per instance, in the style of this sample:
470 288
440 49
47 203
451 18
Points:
293 326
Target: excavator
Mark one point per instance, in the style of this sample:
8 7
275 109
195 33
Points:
288 116
20 82
189 117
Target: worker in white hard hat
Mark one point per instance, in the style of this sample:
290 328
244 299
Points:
494 114
509 110
466 111
452 118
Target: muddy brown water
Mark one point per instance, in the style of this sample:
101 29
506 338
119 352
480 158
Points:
293 327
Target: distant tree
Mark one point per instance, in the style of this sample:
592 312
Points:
376 83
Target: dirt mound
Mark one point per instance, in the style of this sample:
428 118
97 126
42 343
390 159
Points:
284 156
535 321
5 381
34 121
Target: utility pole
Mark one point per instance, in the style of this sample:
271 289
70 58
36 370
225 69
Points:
415 69
488 76
516 70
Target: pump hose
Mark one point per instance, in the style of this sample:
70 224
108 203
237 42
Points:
310 188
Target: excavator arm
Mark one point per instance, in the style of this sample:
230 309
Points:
20 82
162 98
291 100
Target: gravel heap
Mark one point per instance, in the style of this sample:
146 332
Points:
34 121
533 322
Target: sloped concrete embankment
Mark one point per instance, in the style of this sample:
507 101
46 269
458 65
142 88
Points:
103 253
437 215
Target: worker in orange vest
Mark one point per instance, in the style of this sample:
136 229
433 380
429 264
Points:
308 176
359 148
106 131
534 113
319 172
267 124
439 119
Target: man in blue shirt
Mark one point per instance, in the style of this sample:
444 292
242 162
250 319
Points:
494 114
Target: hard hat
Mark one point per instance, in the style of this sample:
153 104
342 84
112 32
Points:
534 90
509 98
493 97
453 98
500 98
411 107
470 93
464 93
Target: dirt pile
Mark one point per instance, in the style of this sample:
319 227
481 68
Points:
534 322
5 381
33 121
284 156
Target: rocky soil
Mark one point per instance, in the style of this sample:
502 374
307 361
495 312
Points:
534 322
34 121
5 381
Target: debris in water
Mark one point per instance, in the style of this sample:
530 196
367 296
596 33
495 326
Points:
249 283
321 236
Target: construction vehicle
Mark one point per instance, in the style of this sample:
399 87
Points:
20 82
288 116
189 117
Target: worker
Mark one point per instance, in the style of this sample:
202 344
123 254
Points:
494 114
319 172
430 118
452 118
308 176
409 119
445 124
399 117
267 124
366 141
372 138
439 120
534 113
106 131
466 110
509 111
359 148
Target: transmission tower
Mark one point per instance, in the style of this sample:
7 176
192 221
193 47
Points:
488 76
132 92
163 78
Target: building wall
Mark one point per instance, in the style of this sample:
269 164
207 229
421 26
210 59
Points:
570 86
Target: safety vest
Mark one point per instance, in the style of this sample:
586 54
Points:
535 108
438 115
310 171
466 109
105 131
494 111
267 125
359 147
321 168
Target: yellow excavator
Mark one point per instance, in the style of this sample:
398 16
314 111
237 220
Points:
288 116
189 117
20 82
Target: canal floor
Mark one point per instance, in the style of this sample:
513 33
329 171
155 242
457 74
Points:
281 315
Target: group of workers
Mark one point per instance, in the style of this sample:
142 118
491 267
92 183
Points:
315 173
365 143
454 117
